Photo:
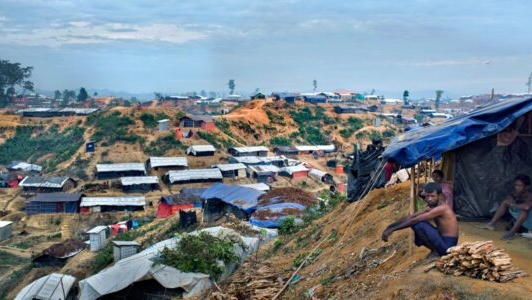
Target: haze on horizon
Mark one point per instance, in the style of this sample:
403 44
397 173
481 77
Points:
461 47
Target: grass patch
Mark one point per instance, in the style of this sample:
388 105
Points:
32 142
9 259
112 128
163 144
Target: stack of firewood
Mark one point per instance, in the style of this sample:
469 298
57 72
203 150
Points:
479 260
250 282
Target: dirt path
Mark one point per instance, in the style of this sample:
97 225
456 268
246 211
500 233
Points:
16 251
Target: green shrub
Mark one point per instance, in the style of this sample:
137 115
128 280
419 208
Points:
148 120
287 225
199 253
280 141
163 144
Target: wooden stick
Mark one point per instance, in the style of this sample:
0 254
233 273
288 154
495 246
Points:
412 207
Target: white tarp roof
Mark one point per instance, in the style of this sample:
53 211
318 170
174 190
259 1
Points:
316 148
258 159
50 287
250 149
44 181
113 201
317 173
258 186
26 167
141 267
134 180
120 167
194 174
156 162
5 223
230 167
264 168
291 170
200 148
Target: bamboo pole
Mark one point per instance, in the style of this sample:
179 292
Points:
412 206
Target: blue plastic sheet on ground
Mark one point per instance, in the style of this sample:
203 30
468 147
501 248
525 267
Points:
242 197
425 143
274 222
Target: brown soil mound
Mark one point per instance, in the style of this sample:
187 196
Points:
284 195
65 248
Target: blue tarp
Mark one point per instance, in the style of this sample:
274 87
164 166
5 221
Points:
423 144
242 197
274 222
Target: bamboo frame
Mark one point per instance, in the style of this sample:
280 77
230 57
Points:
412 206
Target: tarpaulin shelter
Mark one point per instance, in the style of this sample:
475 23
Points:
220 199
270 216
364 171
171 204
482 152
57 254
140 267
50 287
51 203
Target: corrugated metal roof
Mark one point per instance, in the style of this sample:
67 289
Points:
57 197
201 148
293 169
43 182
204 118
250 149
230 167
163 120
156 161
53 286
257 186
97 229
194 174
81 111
134 180
316 148
121 167
113 201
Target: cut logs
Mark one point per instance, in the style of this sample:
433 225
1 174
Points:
479 260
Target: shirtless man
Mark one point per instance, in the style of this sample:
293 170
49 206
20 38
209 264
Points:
518 204
437 239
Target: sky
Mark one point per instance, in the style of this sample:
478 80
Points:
462 47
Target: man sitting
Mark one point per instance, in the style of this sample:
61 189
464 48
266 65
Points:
518 204
437 239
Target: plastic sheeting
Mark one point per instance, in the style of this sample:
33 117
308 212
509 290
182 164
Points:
484 173
242 197
274 221
50 287
423 144
365 165
141 267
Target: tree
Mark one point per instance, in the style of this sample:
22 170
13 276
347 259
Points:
406 94
13 75
231 85
256 91
212 94
82 95
158 96
438 98
314 85
95 94
57 94
203 93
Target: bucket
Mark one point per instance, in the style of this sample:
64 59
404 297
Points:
339 169
341 187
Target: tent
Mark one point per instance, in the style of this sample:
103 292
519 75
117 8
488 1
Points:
50 287
171 204
221 198
140 267
481 153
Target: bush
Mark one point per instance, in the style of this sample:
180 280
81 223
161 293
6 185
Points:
199 253
279 141
148 120
287 225
164 143
111 128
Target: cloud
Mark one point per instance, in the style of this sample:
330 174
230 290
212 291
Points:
80 32
2 19
461 62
